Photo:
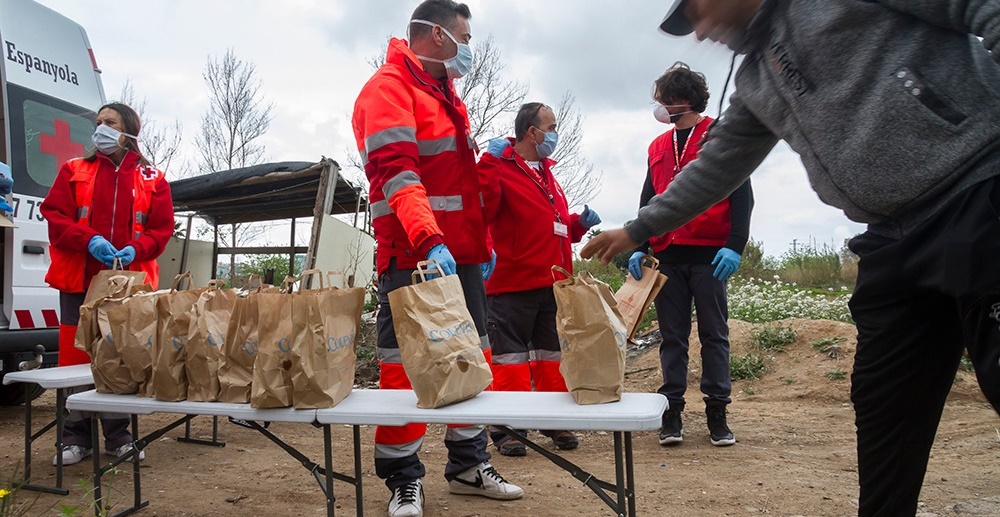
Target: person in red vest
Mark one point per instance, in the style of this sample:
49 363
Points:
111 204
697 258
427 200
532 230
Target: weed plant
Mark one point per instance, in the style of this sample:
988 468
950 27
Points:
747 367
773 338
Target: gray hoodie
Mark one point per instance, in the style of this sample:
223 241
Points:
892 105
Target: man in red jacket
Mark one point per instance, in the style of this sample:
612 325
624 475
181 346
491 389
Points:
697 258
427 198
532 231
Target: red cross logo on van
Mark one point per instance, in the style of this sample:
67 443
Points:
61 144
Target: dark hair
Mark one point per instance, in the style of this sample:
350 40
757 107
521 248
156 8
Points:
130 124
526 117
680 83
441 12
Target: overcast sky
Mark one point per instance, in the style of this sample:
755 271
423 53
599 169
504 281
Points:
312 56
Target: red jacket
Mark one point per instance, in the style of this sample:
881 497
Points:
112 215
712 227
522 224
413 134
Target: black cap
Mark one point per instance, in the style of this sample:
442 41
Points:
676 23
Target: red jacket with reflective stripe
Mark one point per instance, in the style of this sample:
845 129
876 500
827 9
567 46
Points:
413 135
708 229
522 224
130 205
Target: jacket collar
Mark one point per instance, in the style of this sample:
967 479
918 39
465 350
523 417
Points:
509 153
400 54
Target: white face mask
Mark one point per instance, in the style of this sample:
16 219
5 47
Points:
458 66
661 114
106 138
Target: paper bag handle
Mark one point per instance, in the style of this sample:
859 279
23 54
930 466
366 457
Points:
309 273
287 285
424 269
216 285
177 281
118 289
654 263
116 264
557 269
331 274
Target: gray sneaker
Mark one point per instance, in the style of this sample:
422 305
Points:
71 454
484 480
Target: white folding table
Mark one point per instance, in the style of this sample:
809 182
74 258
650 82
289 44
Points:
60 378
507 410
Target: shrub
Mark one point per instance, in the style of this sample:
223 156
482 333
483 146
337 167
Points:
757 300
773 338
829 346
609 274
746 367
836 375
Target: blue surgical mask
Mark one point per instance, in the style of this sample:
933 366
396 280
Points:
458 66
548 145
106 139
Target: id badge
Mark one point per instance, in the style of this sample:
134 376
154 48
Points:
561 229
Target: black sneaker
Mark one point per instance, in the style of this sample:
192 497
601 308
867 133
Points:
672 432
718 431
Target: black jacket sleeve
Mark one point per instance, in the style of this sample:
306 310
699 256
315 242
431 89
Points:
740 207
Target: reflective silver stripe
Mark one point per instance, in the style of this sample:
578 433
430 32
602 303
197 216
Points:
512 358
389 355
390 135
81 212
433 147
484 342
466 432
403 179
380 208
481 202
397 451
136 235
141 217
470 142
545 355
364 157
446 203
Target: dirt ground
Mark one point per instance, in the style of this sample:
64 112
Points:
795 455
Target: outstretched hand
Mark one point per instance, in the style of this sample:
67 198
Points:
605 245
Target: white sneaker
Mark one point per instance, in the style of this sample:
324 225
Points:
407 500
484 480
71 454
123 450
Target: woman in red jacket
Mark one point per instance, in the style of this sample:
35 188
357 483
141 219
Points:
111 204
532 230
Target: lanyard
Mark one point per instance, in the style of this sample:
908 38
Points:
681 153
539 182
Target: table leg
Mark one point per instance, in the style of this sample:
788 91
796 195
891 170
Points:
95 444
359 497
620 474
60 425
328 471
629 475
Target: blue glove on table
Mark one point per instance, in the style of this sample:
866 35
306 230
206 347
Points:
442 256
497 146
126 255
726 261
635 264
589 218
488 267
102 250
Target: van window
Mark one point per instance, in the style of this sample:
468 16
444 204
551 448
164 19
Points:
44 133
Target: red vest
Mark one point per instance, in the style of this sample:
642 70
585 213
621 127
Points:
711 228
67 267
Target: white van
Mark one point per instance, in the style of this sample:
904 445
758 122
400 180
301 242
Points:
50 86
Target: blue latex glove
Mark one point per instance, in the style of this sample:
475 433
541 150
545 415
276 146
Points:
6 185
126 255
726 261
635 264
102 250
488 267
589 218
442 256
497 146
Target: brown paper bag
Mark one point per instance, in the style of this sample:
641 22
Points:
326 322
635 296
87 330
133 324
206 336
272 380
99 284
438 341
173 311
109 371
592 338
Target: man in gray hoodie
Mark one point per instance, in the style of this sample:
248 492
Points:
894 108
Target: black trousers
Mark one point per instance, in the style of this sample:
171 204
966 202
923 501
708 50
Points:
919 302
687 282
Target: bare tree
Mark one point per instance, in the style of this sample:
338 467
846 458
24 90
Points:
231 128
575 173
159 144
